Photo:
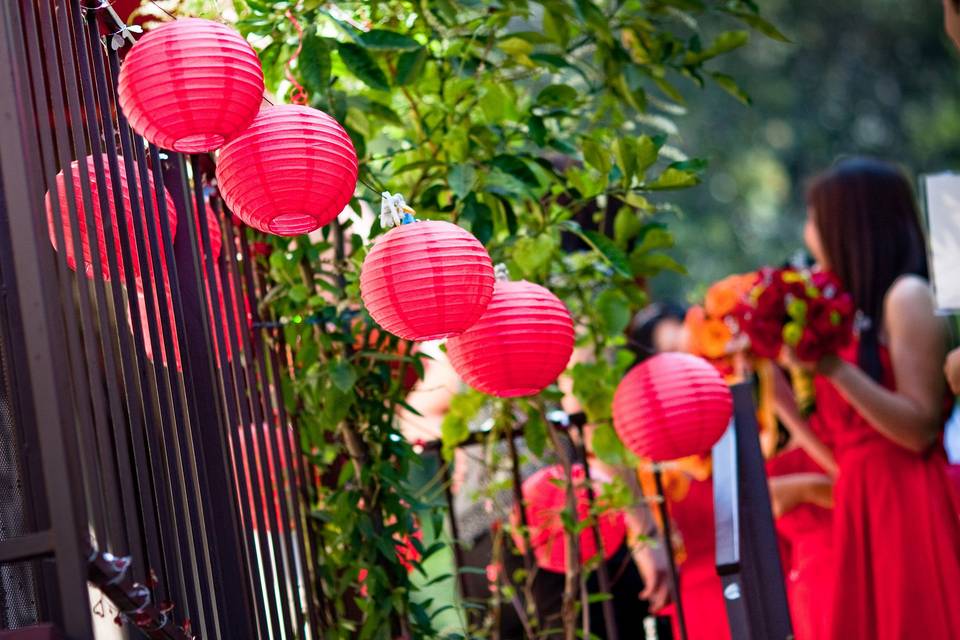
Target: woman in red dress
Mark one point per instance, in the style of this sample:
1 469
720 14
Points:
896 539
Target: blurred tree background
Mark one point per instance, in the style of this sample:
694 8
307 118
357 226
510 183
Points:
874 77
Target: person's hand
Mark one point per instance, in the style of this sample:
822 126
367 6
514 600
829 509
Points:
952 370
951 21
783 496
654 569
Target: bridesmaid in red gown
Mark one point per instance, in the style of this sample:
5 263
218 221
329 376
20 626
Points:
896 538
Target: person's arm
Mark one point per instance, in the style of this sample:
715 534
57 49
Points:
789 491
911 415
951 369
799 428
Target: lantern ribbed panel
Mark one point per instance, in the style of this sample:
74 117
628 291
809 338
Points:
426 280
139 245
671 406
190 85
544 494
291 172
519 346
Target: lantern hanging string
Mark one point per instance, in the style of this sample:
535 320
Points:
299 93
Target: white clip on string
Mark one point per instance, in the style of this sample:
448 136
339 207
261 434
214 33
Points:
394 210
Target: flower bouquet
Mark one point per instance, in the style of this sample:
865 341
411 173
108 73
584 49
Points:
803 310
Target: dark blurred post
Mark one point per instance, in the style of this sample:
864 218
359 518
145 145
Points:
748 558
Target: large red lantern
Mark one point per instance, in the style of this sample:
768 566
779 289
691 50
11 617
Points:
426 280
138 245
544 494
519 346
291 172
190 85
671 406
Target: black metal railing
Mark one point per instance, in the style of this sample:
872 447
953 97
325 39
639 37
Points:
144 375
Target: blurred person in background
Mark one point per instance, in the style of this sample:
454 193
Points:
880 402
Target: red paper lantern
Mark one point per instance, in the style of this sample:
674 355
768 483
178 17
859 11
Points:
671 406
190 85
291 172
519 346
544 494
426 280
137 245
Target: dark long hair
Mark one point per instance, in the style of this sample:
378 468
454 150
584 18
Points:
866 213
644 324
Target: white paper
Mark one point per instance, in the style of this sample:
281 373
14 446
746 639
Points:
942 193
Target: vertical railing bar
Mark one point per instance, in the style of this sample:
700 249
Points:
231 393
133 375
183 396
50 388
108 308
257 289
160 382
86 291
175 583
66 279
236 300
175 392
188 391
299 462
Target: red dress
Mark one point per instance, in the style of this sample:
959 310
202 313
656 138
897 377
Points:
805 534
896 530
700 586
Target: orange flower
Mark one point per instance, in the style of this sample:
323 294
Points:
722 298
707 337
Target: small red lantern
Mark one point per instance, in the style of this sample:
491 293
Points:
291 172
544 494
190 85
426 280
137 245
671 406
519 346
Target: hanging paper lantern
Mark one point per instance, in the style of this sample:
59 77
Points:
671 406
190 85
137 245
544 494
213 229
291 172
519 346
426 280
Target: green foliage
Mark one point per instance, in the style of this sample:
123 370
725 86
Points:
507 118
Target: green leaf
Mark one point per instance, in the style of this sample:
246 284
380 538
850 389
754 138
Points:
557 96
596 155
343 375
385 40
725 42
298 293
648 150
611 253
493 102
479 216
650 264
626 226
654 236
607 445
456 423
761 25
462 179
314 62
613 309
361 65
409 66
515 47
535 433
728 84
673 178
533 254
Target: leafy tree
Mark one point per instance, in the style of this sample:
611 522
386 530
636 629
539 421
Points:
511 119
874 77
